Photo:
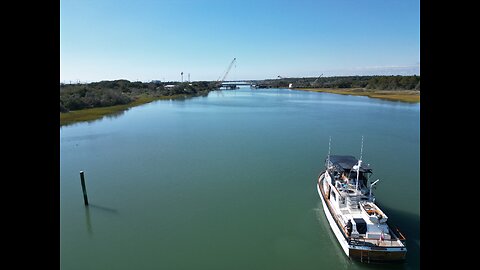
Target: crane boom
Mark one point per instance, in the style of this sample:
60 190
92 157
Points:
314 82
228 70
318 78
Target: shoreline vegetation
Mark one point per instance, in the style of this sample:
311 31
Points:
87 102
410 96
394 88
92 114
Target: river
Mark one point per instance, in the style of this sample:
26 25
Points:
227 181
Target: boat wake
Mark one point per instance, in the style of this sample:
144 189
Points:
321 219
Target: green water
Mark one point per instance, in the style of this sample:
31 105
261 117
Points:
228 181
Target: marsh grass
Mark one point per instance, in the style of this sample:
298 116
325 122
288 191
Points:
393 95
92 114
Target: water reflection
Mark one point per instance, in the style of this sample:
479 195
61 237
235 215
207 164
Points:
87 137
103 208
114 115
219 93
88 221
341 257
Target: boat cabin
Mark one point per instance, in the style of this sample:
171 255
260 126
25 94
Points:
343 170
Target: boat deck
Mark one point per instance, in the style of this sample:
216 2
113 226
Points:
377 242
348 213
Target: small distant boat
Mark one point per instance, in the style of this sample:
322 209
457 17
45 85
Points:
359 225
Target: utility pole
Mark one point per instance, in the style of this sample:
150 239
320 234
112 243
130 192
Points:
182 76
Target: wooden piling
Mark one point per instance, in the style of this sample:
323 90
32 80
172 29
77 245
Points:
84 189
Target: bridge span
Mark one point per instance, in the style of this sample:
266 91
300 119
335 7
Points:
235 84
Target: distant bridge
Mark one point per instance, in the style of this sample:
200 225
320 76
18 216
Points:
235 84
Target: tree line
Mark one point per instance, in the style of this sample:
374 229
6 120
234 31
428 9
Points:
109 93
117 92
367 82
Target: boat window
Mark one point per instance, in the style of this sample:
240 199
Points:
333 195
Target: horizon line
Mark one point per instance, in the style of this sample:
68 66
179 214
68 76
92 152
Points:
77 81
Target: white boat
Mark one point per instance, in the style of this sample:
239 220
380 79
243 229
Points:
359 225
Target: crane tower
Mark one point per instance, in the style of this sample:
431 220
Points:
315 82
228 70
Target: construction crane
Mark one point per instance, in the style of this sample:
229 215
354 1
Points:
226 72
290 85
314 82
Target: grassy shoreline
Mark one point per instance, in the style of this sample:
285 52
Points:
393 95
92 114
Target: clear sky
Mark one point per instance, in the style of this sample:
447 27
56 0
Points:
158 39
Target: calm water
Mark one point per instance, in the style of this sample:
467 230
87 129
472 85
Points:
228 181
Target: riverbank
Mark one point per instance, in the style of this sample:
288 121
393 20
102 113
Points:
410 96
88 102
91 114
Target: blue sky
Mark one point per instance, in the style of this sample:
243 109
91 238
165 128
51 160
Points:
157 40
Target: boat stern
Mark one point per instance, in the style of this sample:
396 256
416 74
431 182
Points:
378 256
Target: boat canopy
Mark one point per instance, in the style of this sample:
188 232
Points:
344 163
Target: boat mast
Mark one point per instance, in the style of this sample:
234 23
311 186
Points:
359 164
358 173
361 149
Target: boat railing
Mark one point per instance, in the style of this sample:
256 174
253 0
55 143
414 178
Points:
374 243
377 243
398 234
395 234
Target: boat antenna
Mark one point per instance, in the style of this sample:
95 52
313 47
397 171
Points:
359 164
371 185
361 149
328 157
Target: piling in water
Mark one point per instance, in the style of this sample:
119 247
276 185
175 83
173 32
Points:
84 189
